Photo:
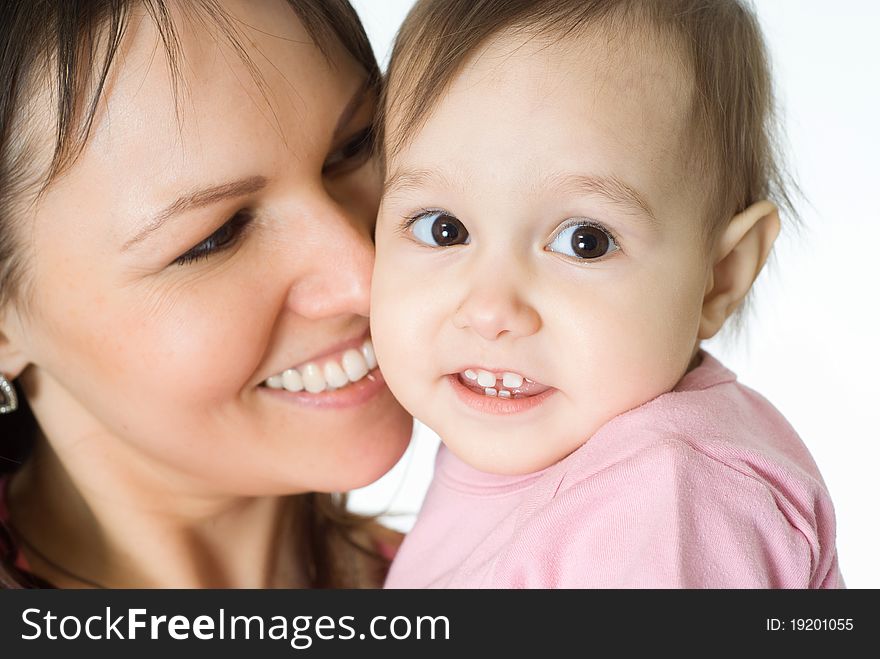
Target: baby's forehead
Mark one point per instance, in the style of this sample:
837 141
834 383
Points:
639 63
624 98
638 67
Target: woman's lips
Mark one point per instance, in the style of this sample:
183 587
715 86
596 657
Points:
475 397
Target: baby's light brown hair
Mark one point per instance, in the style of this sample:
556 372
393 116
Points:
732 146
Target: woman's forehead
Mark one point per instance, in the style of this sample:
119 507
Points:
211 69
224 106
169 82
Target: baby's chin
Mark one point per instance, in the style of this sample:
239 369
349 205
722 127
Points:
509 454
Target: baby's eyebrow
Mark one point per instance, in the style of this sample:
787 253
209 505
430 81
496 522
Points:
610 187
412 179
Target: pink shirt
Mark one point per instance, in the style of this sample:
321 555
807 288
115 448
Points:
704 487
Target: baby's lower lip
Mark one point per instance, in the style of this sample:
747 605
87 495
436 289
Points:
493 404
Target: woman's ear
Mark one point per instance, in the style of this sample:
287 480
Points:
739 254
13 359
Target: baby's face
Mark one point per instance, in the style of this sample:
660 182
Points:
542 224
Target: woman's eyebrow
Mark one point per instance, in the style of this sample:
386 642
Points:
198 199
351 108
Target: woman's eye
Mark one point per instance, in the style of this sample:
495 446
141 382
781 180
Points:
584 242
222 238
439 229
352 154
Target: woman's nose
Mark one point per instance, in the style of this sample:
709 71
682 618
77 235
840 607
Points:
495 311
333 278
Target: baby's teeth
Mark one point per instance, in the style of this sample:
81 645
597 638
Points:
334 375
485 378
504 393
313 379
369 355
470 375
354 364
512 380
292 380
491 392
275 382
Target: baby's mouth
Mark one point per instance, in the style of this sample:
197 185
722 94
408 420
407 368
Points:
506 384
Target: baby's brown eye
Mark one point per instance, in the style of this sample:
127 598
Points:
439 229
584 242
589 242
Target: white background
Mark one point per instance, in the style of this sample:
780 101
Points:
811 342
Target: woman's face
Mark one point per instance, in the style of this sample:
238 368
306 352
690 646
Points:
201 244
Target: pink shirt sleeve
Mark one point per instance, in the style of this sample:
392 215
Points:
672 517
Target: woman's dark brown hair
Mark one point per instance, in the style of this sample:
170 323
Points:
73 45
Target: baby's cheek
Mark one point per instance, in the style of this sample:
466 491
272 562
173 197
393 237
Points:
391 327
405 320
638 346
661 351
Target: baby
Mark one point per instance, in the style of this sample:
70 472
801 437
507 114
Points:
578 194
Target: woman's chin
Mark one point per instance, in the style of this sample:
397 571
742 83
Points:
378 455
363 455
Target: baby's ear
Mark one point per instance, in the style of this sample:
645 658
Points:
739 254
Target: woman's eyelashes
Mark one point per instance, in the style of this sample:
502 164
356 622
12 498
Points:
351 155
437 228
223 238
583 240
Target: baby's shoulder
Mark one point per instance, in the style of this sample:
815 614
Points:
725 428
659 465
698 454
672 514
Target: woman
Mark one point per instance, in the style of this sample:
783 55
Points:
187 199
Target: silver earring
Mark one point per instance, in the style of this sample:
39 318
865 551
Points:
8 399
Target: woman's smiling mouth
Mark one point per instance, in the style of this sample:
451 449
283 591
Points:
329 373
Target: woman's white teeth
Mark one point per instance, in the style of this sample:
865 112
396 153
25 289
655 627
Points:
313 379
470 375
354 365
369 355
292 380
334 375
